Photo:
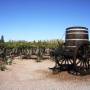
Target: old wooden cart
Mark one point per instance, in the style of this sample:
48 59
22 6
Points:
74 55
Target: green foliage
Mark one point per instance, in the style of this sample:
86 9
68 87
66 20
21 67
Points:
34 44
2 66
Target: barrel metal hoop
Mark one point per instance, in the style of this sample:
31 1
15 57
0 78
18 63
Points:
78 39
77 29
77 33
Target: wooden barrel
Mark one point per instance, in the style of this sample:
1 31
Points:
76 36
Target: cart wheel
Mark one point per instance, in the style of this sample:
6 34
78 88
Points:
64 61
74 70
82 66
83 61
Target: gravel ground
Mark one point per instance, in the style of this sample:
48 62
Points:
30 75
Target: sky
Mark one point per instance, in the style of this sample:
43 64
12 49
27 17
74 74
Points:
41 19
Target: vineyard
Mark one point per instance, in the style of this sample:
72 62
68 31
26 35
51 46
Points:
37 50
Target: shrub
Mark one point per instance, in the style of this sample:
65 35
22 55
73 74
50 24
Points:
2 66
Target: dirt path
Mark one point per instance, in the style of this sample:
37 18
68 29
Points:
30 75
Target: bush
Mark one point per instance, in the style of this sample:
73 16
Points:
38 59
2 66
9 61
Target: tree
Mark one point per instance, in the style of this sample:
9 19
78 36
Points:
2 39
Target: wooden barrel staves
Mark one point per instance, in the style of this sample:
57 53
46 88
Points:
76 36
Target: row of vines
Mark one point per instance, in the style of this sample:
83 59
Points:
25 49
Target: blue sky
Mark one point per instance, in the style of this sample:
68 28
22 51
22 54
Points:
41 19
